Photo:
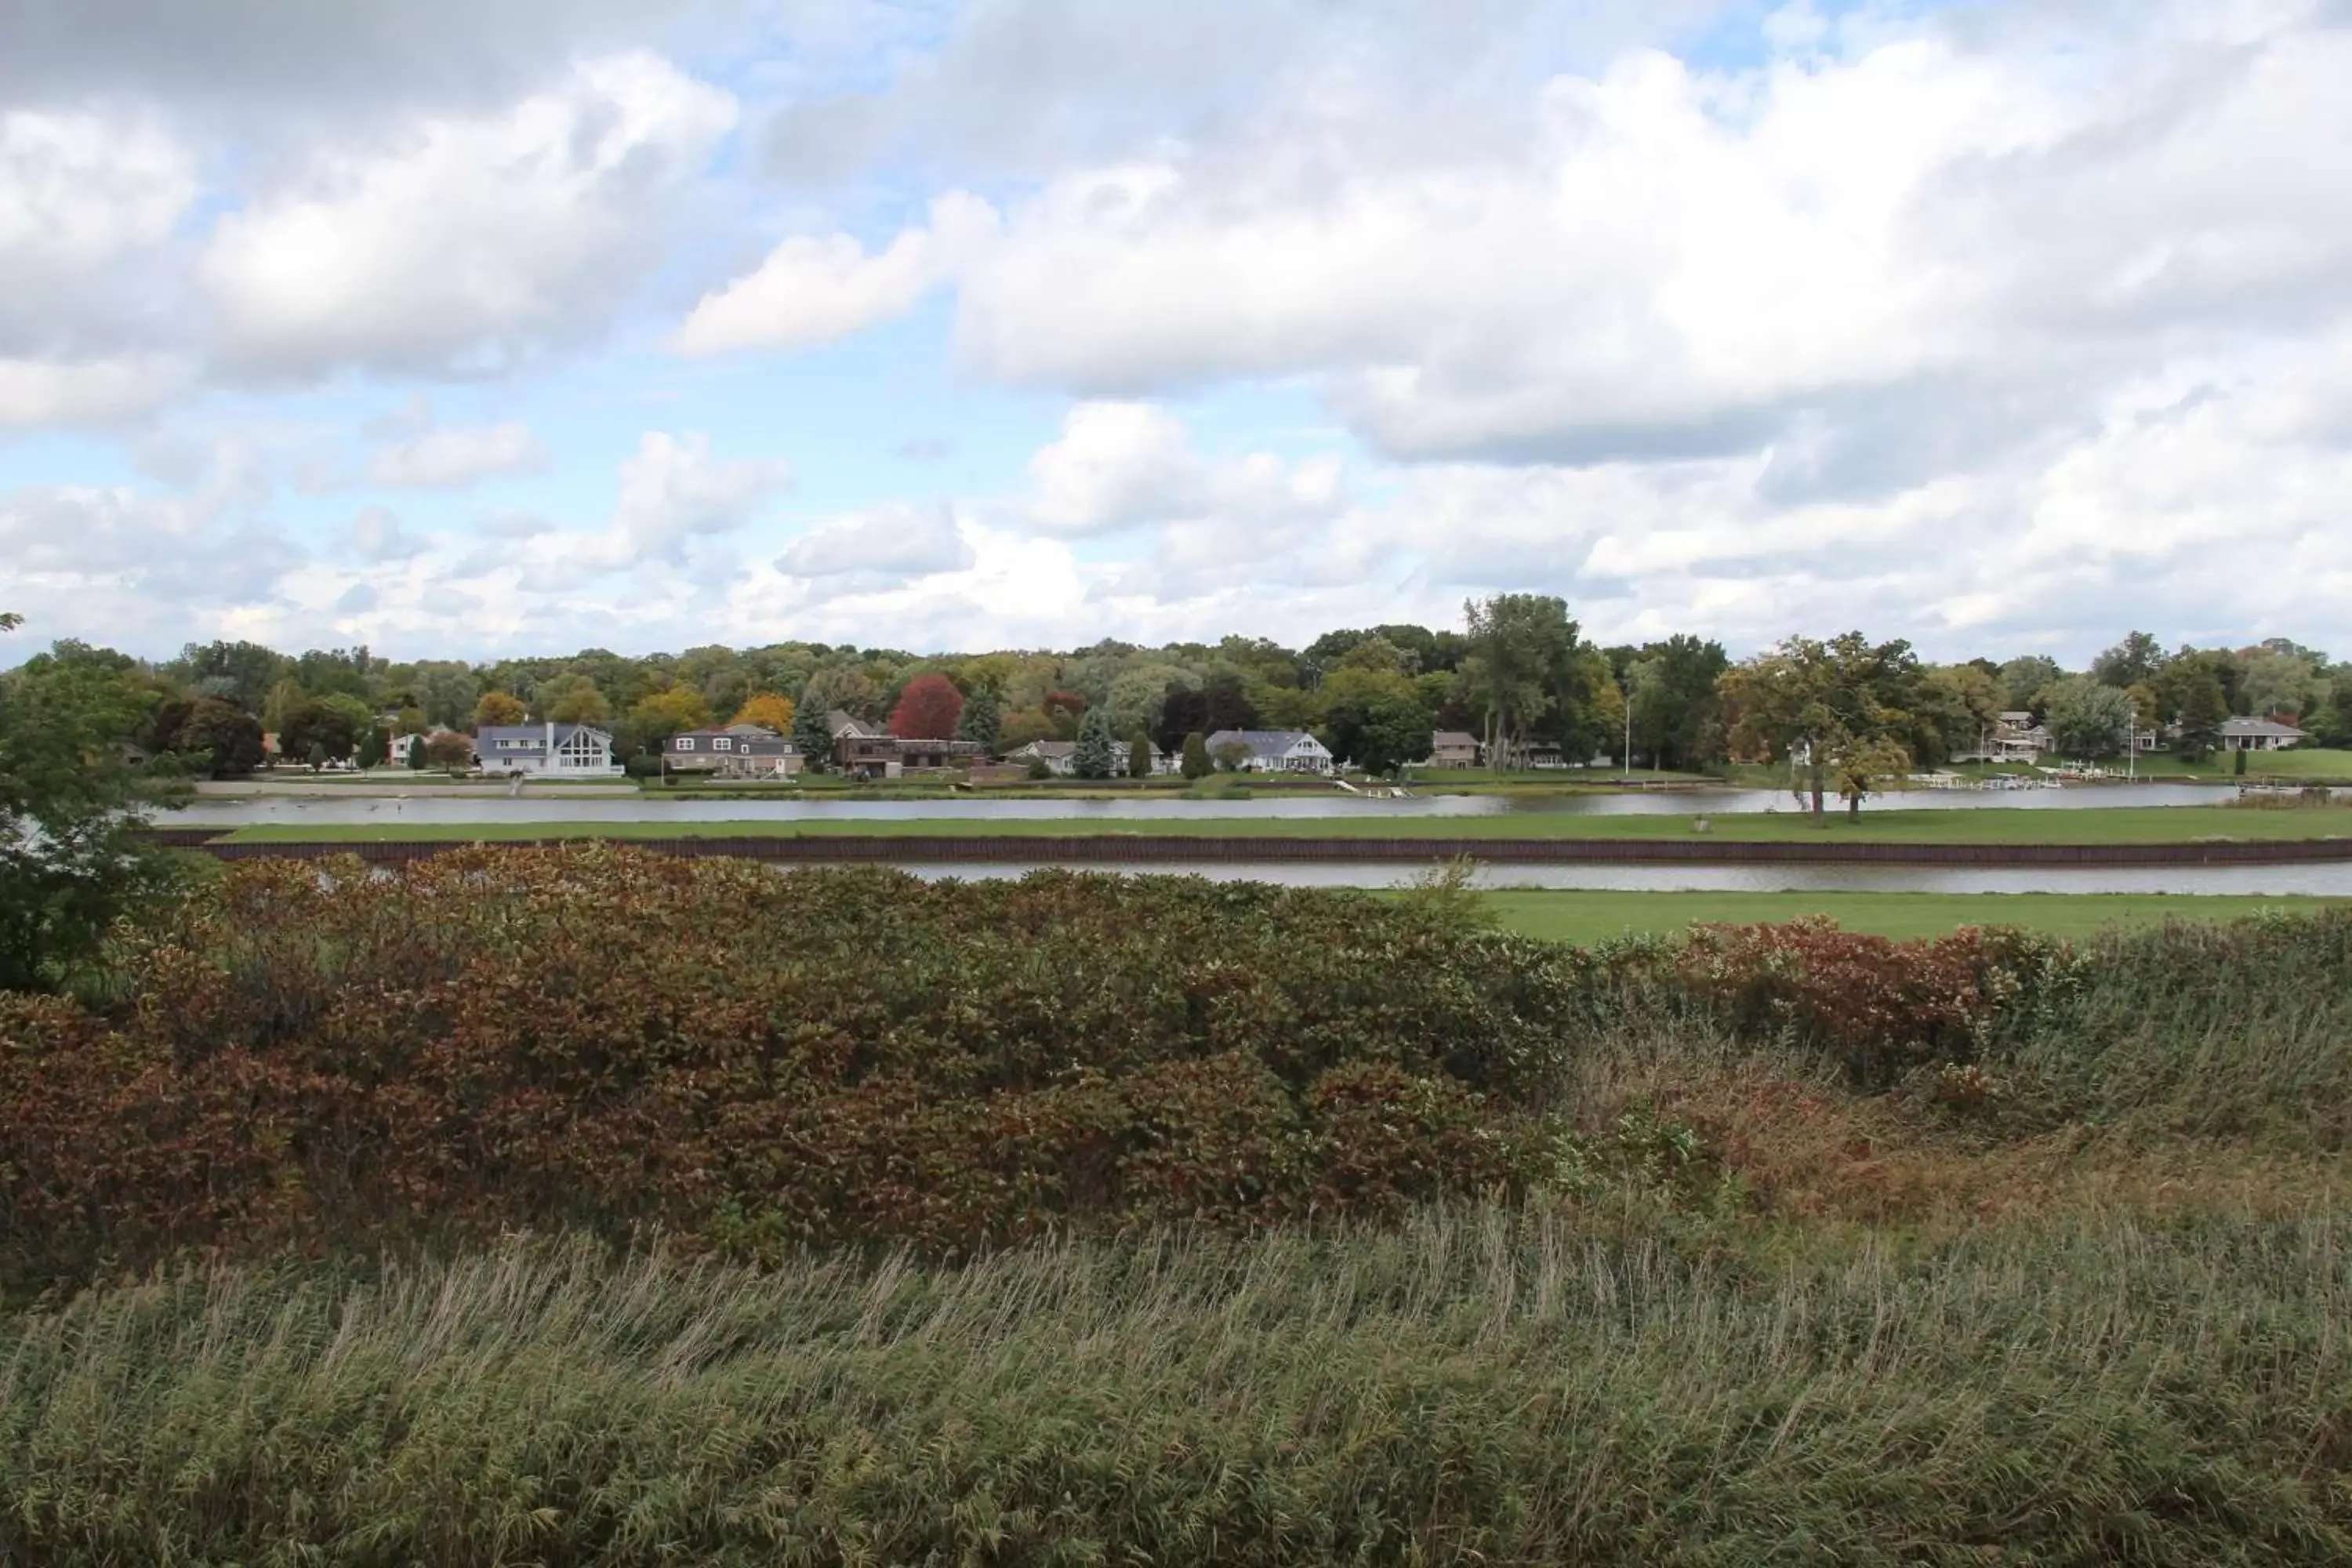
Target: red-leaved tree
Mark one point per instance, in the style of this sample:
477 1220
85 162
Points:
929 710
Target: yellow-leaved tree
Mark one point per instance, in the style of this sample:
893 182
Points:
768 710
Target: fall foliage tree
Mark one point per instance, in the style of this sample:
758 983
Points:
448 750
498 708
769 710
929 710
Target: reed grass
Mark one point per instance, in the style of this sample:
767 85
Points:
1477 1386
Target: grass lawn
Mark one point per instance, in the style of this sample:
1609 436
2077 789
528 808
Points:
2024 824
1587 917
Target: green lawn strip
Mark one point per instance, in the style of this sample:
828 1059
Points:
2120 825
1591 917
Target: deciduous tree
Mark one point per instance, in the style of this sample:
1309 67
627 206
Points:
1823 704
498 708
930 709
769 710
70 861
2089 718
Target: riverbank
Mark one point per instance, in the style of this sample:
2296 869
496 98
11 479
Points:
1585 918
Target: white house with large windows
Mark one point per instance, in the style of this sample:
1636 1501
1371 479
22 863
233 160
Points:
546 751
1270 752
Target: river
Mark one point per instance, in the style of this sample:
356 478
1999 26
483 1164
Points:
2323 880
382 811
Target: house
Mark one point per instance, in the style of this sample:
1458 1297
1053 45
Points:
1451 749
2014 737
737 751
2259 735
1062 757
396 750
548 751
1272 750
861 750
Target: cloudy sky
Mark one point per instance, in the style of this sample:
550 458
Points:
463 329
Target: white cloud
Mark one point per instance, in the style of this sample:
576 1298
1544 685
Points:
815 290
444 459
897 541
77 189
1115 465
1668 262
376 536
468 242
53 391
115 565
675 492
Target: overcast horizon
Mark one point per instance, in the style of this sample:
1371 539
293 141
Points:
470 330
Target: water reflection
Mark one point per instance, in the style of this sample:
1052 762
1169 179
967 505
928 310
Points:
2323 880
425 811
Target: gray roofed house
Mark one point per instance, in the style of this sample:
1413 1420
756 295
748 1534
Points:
2259 735
546 750
1271 751
737 751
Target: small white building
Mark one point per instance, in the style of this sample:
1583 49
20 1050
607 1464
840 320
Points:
1271 751
546 751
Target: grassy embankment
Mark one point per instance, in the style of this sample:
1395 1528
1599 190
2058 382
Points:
1789 1248
2119 825
1591 917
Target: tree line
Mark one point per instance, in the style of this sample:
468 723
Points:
1520 675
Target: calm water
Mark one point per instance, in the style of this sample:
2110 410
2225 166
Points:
2270 881
241 811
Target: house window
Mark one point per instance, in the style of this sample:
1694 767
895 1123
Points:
722 744
686 742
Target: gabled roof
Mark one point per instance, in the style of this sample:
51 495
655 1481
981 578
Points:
538 732
2251 728
1264 742
1441 738
842 722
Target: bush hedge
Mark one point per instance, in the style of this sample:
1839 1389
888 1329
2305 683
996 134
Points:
608 1040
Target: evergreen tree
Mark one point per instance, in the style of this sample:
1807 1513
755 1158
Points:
1139 751
1197 765
2204 710
813 737
1092 760
982 720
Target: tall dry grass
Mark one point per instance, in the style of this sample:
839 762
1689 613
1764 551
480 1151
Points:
1476 1387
